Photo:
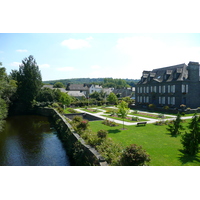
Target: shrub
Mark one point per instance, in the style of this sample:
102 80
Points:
152 106
135 119
83 125
134 155
102 134
109 123
111 151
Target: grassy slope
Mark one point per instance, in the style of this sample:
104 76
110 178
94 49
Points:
163 149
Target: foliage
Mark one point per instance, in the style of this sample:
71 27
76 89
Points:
58 85
152 106
29 81
98 95
71 110
102 134
123 110
79 124
134 155
109 123
65 99
7 92
111 151
112 98
190 140
176 126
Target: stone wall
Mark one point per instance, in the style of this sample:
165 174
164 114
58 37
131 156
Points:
79 152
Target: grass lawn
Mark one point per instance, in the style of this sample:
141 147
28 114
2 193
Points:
91 110
163 149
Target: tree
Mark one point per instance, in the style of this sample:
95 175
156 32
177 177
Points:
191 140
123 110
7 90
112 98
134 155
58 85
176 126
65 99
29 81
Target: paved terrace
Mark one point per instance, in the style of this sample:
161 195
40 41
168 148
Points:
150 121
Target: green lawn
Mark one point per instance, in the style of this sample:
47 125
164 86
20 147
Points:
163 149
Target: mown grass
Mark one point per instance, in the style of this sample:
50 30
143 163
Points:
164 149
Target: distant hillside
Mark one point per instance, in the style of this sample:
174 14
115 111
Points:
100 81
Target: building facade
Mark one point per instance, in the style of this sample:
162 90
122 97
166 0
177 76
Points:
171 86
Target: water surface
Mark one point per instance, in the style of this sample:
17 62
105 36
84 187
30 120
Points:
30 140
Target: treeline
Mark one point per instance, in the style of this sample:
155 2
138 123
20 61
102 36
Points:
105 82
7 91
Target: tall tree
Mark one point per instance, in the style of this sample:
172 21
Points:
29 81
191 140
123 110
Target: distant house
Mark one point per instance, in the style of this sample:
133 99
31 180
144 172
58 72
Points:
172 86
94 88
77 89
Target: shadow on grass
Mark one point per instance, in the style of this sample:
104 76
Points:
114 131
185 158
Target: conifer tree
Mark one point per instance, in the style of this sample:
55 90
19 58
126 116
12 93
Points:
176 126
191 140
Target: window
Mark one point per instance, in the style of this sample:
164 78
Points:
159 88
163 100
154 88
169 88
147 89
184 88
168 101
159 100
173 88
173 100
140 99
163 89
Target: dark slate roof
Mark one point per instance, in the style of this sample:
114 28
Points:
165 74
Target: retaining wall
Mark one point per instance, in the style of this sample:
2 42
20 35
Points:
79 152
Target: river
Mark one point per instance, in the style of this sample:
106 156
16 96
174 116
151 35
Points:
30 140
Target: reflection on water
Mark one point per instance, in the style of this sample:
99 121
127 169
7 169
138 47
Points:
31 141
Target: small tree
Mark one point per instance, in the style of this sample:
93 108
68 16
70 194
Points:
191 140
134 155
176 126
123 110
65 99
112 98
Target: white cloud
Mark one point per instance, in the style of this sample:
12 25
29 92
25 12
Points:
146 53
22 50
77 43
15 64
44 66
95 67
65 69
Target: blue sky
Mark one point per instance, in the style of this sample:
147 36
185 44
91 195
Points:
97 55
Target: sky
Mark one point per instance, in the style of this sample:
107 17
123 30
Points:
98 55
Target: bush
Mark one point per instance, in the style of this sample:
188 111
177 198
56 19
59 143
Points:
135 119
102 134
72 110
134 155
111 151
109 123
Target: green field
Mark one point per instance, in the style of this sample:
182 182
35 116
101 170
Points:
162 147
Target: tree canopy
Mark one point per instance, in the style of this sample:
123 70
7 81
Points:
29 80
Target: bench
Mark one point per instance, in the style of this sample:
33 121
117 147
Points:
139 123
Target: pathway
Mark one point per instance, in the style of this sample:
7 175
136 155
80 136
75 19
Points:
150 121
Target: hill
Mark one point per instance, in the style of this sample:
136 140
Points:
108 82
